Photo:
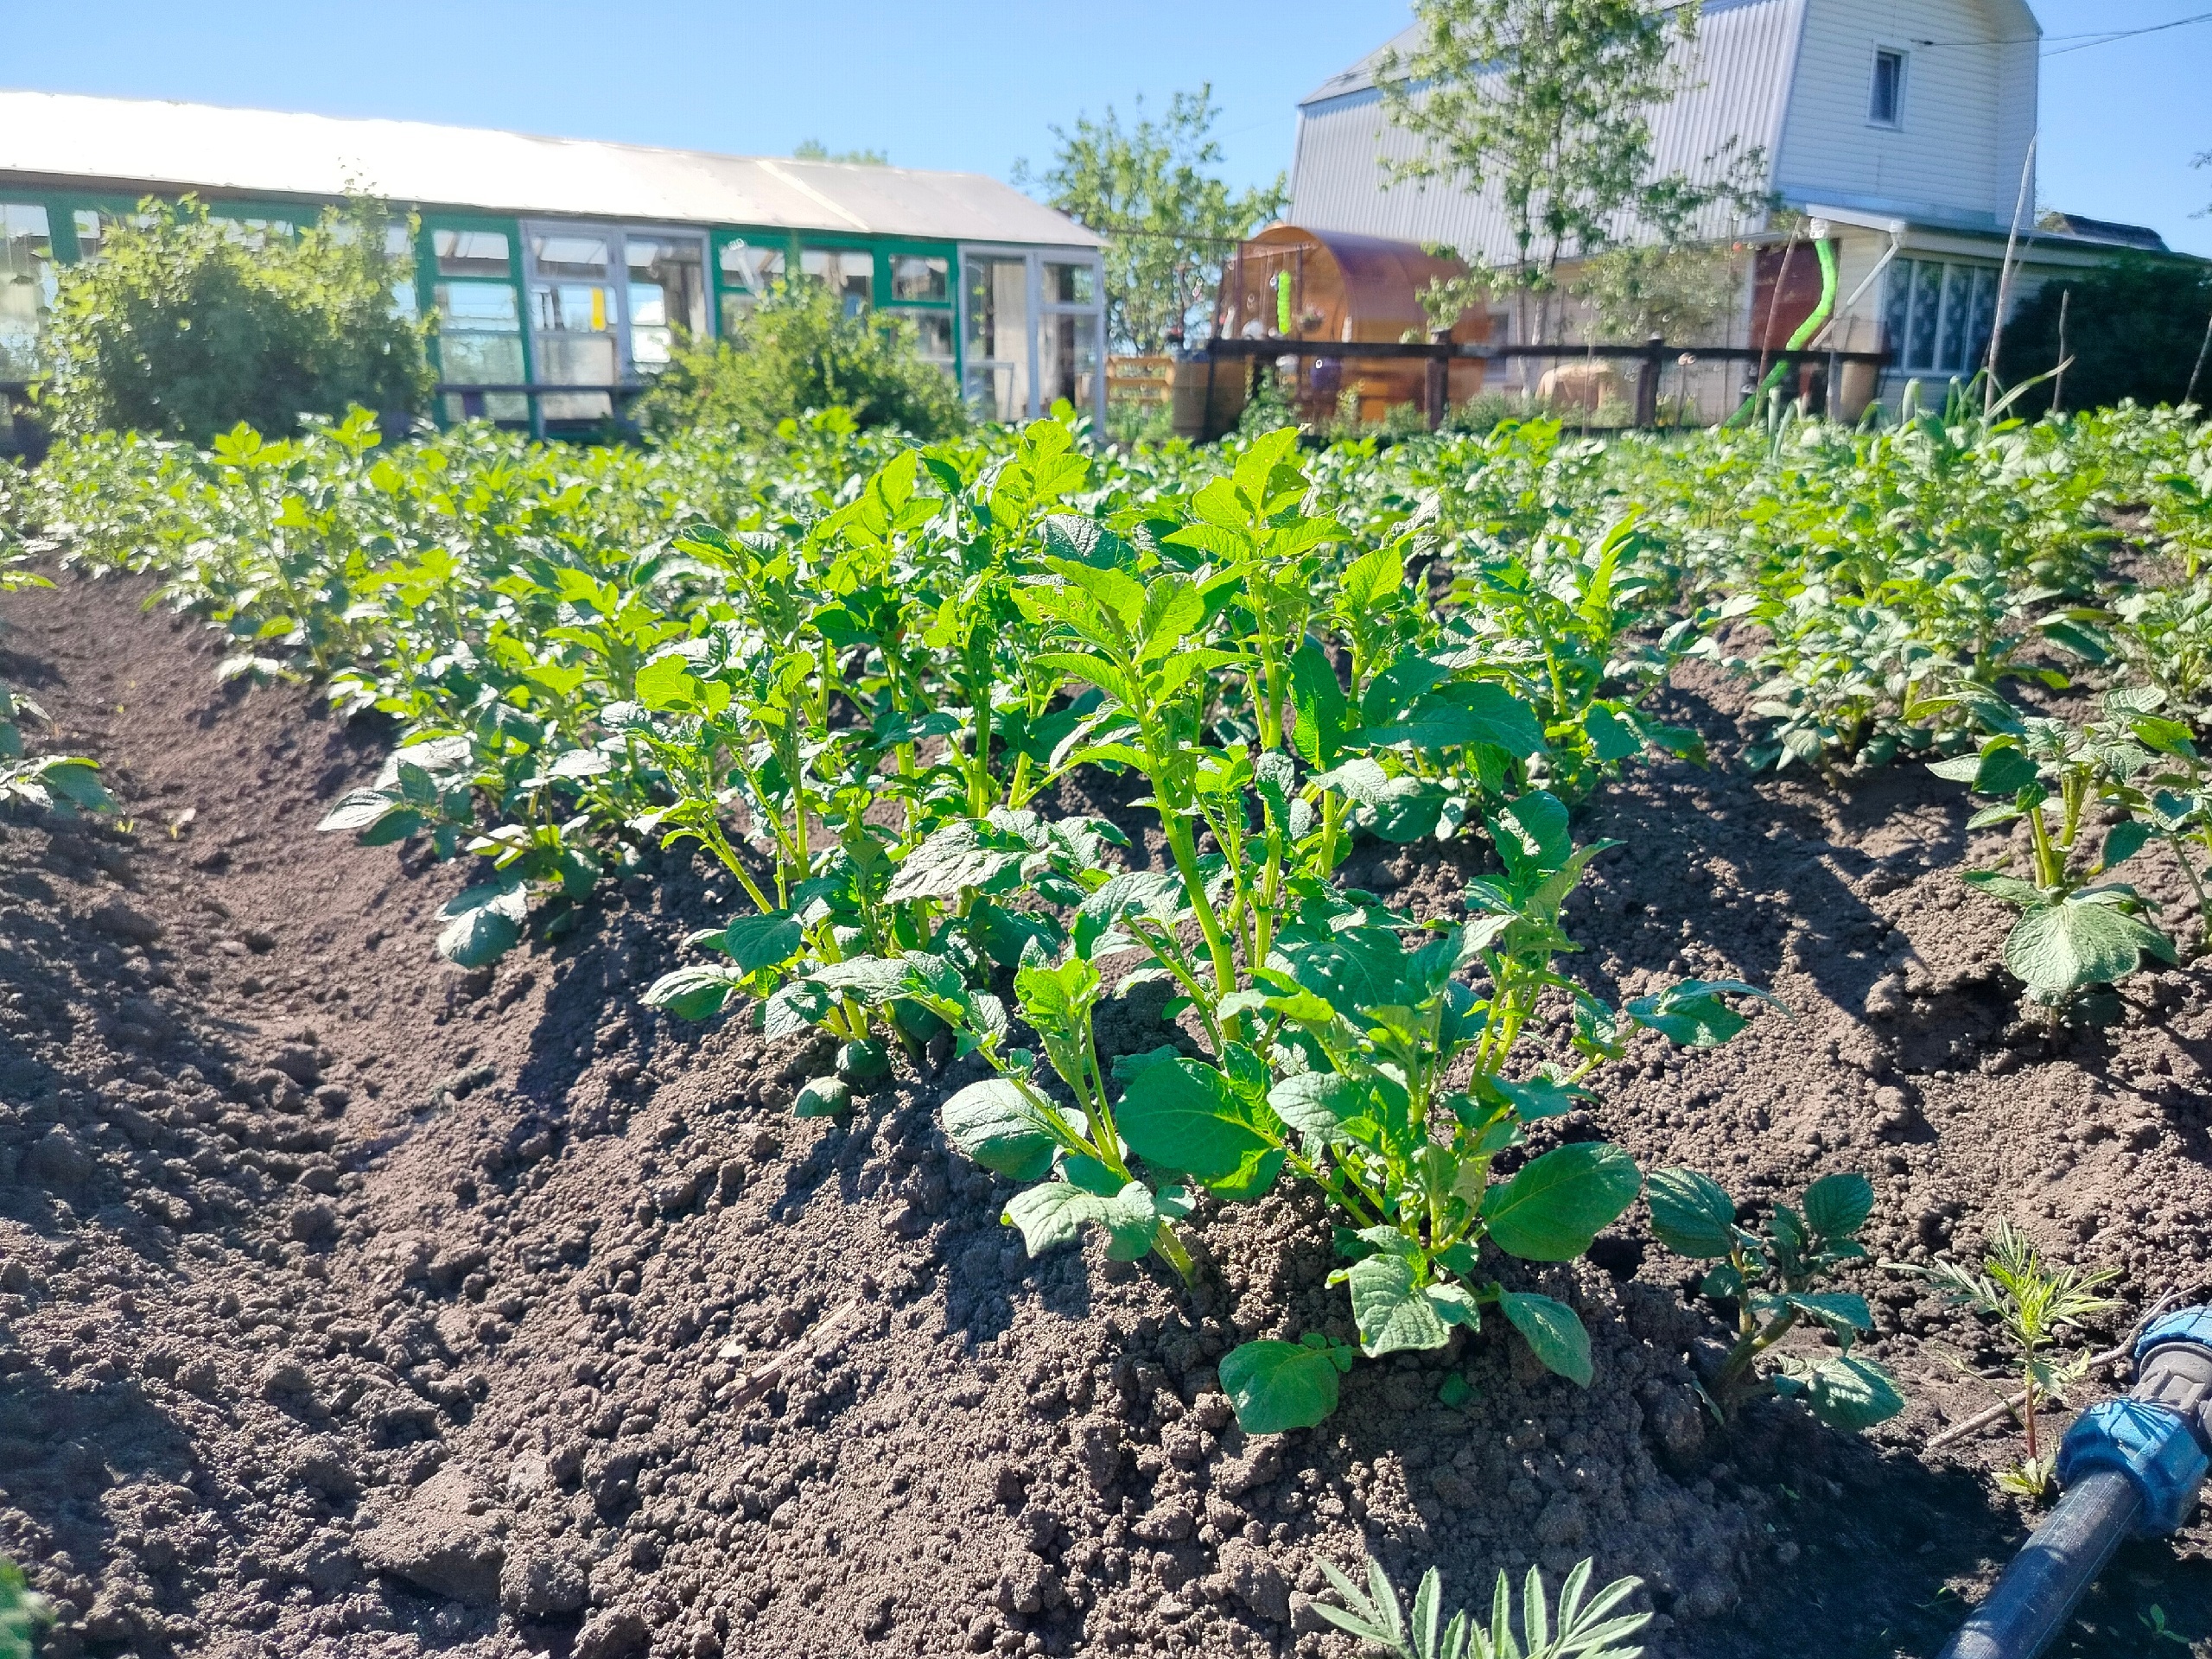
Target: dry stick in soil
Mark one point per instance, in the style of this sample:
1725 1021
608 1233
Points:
2019 1401
765 1376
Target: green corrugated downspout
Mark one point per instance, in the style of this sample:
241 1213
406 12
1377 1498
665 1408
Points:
1806 329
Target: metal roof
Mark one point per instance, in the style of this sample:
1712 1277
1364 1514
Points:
130 144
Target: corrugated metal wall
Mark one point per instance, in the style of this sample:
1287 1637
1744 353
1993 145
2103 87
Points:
1740 69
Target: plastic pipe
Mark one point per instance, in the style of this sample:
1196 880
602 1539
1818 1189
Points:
1806 330
2131 1467
2032 1601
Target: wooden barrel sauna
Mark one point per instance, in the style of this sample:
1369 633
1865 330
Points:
1291 284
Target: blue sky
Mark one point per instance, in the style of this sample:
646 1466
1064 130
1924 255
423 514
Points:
959 83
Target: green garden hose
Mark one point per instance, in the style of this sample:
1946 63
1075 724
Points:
1806 330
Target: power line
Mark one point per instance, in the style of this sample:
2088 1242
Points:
2088 37
2129 34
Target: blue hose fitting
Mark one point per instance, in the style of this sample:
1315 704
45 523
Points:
2131 1465
2156 1437
2150 1444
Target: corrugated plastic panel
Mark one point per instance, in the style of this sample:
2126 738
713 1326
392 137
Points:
134 144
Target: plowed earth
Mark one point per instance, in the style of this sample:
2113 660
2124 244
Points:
352 1305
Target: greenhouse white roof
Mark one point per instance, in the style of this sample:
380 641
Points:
63 139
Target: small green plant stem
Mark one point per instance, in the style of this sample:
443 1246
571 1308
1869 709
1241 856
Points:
1169 955
1183 847
1753 1340
2050 862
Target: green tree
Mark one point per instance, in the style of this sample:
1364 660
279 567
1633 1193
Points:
2132 329
1547 105
1684 294
799 351
813 149
1169 221
187 324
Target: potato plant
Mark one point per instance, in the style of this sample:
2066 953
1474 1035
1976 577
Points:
2076 931
1769 1275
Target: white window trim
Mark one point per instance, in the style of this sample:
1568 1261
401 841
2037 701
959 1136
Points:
1904 81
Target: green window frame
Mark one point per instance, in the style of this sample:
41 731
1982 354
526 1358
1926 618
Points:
937 320
729 292
507 407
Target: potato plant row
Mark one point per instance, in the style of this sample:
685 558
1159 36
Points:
854 673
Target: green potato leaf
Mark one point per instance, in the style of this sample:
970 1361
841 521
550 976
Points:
1836 1206
1845 1392
994 1123
693 993
1691 1214
2057 950
1391 1311
1184 1116
1559 1203
1553 1331
1276 1386
1054 1213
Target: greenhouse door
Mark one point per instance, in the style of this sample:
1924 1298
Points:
1032 331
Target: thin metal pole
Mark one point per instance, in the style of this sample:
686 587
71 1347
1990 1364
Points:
2189 397
2004 278
2058 379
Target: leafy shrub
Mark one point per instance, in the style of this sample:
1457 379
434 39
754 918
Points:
23 1613
2133 330
184 327
799 351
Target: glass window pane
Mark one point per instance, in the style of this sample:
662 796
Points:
1957 300
470 253
477 307
481 359
26 287
1985 314
997 297
850 272
486 406
1927 308
569 254
572 307
919 276
90 230
1896 306
933 334
1067 360
1071 285
668 297
750 268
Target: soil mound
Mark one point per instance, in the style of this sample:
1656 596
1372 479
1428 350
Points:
351 1304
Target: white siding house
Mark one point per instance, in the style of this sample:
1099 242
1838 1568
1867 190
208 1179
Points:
1905 124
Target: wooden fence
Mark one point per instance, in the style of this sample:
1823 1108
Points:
1147 380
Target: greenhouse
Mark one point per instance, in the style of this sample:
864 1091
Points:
563 272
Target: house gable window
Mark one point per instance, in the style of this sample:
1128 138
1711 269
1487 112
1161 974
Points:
1885 96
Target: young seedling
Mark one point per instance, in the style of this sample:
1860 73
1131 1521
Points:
1571 1629
1770 1276
2031 1301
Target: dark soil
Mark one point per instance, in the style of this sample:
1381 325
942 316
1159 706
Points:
350 1304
